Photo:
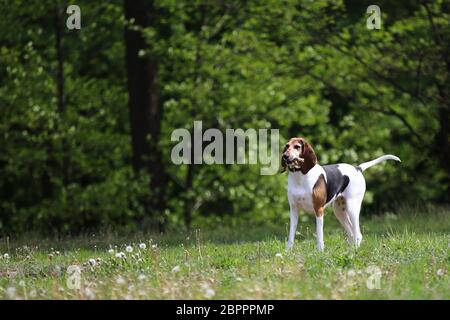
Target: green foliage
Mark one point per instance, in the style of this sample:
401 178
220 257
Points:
308 68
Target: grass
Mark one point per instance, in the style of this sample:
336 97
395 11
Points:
410 254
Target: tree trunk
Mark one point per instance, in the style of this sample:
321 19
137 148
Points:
189 194
61 91
144 106
59 58
442 140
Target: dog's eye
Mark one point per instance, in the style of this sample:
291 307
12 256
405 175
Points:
297 147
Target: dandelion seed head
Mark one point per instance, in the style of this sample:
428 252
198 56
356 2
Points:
208 292
176 269
89 293
11 292
142 277
120 255
129 249
120 280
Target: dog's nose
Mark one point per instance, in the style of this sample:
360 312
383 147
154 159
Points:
285 157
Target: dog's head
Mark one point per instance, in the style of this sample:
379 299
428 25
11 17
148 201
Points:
298 155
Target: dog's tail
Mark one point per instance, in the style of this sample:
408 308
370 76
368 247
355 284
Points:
365 165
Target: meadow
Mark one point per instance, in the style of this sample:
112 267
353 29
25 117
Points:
403 256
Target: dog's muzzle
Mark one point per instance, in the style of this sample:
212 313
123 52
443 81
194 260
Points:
294 163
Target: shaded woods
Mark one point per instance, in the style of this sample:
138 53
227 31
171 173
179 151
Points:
86 115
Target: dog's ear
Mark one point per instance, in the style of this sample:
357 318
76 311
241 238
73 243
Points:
283 163
309 156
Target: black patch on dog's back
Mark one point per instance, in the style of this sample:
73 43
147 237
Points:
336 181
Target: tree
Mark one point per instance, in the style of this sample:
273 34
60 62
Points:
144 104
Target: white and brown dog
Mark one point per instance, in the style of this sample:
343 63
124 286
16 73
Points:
312 187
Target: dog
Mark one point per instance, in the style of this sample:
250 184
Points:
312 187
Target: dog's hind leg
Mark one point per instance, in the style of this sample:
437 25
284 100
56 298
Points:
339 208
353 209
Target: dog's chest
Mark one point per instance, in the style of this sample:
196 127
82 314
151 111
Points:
300 188
301 198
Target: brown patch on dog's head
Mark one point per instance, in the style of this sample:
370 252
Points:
298 155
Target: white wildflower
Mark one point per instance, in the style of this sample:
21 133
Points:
6 256
111 251
129 249
142 246
279 255
120 255
440 272
154 246
89 293
92 262
208 292
142 277
176 269
11 293
120 280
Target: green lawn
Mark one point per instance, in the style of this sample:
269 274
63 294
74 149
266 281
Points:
411 252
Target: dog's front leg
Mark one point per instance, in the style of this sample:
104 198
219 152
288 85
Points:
293 228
